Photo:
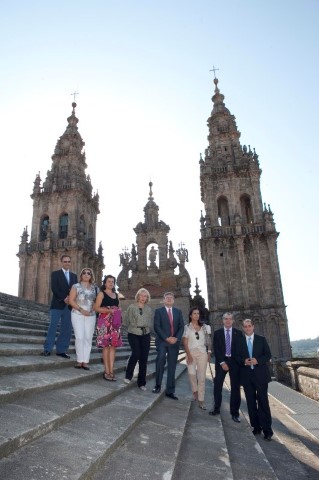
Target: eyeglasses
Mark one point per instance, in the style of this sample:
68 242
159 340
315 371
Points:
197 335
86 272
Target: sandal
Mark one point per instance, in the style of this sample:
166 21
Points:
78 365
107 377
202 405
113 379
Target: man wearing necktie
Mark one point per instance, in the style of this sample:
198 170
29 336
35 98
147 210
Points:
224 342
169 329
61 283
253 355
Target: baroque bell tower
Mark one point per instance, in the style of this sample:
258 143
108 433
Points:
64 219
238 234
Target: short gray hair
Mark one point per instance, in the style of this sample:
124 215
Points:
143 290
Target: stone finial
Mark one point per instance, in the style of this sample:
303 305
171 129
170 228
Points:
151 193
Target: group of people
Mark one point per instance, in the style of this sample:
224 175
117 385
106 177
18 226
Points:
245 356
76 304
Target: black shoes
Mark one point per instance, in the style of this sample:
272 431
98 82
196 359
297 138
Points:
85 367
63 355
171 395
216 411
267 436
156 389
257 431
236 418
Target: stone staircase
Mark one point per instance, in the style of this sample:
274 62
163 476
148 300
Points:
61 423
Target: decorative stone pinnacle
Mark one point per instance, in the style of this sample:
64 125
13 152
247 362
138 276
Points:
151 193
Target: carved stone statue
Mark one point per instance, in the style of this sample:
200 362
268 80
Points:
152 256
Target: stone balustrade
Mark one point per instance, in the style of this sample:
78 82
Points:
301 374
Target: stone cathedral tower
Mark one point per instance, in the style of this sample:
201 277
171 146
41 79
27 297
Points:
238 234
64 219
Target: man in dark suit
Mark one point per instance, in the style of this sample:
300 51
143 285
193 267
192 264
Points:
169 328
61 283
224 342
253 354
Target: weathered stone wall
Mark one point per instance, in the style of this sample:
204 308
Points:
308 380
301 375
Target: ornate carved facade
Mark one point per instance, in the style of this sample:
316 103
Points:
64 219
238 234
151 263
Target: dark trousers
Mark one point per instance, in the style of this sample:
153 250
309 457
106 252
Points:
169 352
257 403
140 346
234 386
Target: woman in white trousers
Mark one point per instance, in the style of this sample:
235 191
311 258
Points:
82 297
196 340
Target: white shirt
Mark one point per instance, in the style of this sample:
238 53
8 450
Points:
189 332
248 337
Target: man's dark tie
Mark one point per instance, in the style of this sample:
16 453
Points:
228 349
170 316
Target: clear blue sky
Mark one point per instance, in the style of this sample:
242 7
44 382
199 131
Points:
142 72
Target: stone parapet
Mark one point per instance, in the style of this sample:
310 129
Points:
300 374
308 381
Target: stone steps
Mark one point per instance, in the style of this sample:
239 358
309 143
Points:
69 396
174 440
57 375
11 321
11 301
22 331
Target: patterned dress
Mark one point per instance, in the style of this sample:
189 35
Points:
108 332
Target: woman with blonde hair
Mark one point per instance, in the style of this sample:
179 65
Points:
81 298
138 320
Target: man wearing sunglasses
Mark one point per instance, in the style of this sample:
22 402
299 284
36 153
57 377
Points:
61 283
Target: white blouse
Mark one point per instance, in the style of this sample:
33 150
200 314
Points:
193 342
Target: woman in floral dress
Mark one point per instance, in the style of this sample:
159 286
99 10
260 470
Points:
108 325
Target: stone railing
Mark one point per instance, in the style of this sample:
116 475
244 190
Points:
232 230
301 374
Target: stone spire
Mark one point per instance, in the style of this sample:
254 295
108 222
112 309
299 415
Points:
225 151
69 162
151 211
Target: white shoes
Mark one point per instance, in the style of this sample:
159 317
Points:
127 380
143 388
